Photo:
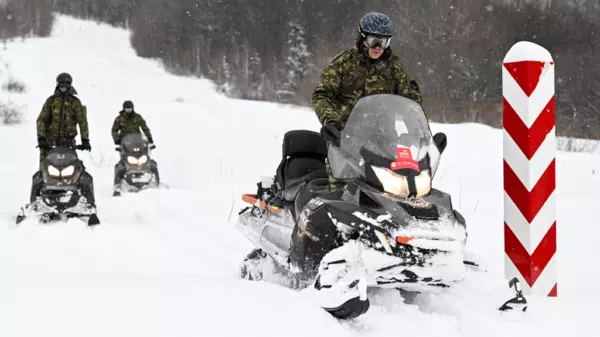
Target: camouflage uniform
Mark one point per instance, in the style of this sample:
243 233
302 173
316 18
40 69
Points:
353 74
129 122
58 120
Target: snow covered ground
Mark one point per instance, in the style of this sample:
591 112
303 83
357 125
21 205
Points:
163 262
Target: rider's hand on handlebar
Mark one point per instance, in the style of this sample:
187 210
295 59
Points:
43 143
85 145
331 133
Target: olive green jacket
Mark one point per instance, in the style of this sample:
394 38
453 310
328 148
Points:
352 75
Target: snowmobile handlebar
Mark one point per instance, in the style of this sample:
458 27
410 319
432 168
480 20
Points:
76 147
150 147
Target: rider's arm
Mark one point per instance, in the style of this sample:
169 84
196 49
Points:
403 85
145 128
43 118
81 117
325 94
115 129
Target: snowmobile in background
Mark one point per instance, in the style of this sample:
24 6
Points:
62 189
387 227
136 170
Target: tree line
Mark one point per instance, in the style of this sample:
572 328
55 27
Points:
274 49
21 18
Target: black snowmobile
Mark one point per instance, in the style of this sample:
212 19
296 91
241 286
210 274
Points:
62 189
387 227
136 170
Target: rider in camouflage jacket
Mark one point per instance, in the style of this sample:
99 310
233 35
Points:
128 122
60 115
370 68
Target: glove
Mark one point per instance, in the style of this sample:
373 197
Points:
151 146
43 143
85 145
117 142
332 133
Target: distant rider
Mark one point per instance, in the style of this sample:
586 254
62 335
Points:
128 121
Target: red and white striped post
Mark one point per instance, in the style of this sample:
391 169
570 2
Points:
529 147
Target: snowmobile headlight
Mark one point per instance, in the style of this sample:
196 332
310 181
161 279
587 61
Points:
398 185
143 159
53 171
67 172
134 161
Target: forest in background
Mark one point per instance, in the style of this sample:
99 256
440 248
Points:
22 18
273 50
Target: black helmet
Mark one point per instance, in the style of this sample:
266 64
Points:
64 80
128 104
375 23
375 29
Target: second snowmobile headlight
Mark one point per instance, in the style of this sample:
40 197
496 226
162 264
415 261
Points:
134 161
398 185
53 171
67 172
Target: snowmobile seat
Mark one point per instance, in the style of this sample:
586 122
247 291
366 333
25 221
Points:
303 159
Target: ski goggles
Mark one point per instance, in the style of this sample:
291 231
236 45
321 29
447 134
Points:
128 109
64 85
377 41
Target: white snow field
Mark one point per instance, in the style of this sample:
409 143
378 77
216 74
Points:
164 262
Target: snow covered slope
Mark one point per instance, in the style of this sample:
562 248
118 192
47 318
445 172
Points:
163 262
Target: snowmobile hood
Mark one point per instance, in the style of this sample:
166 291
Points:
61 157
62 168
432 217
134 144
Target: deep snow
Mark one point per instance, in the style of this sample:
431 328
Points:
163 262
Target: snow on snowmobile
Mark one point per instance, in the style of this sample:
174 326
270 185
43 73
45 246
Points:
62 189
387 227
136 170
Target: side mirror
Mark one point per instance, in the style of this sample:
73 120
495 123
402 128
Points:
440 141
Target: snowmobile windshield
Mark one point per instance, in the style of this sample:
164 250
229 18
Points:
385 133
61 157
134 144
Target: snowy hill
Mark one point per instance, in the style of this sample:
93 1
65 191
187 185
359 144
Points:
163 262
